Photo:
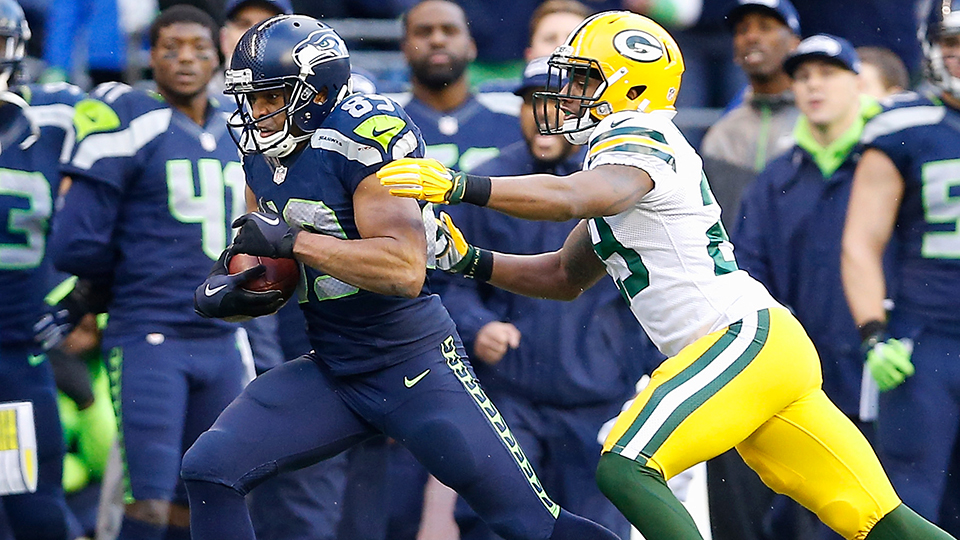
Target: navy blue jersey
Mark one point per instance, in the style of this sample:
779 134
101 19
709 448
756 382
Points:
32 143
151 205
922 138
350 329
470 134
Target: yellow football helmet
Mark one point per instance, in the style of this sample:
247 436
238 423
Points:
638 65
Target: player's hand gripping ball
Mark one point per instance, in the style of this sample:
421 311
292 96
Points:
280 274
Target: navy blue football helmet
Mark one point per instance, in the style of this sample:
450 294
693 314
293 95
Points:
943 21
300 55
14 34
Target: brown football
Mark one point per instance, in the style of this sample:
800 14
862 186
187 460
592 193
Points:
281 275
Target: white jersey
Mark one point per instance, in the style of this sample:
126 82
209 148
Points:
669 254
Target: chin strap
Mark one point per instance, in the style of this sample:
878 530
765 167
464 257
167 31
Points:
285 147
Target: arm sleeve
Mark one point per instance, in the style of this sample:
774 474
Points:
83 229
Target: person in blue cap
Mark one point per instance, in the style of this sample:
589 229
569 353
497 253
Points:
758 129
791 218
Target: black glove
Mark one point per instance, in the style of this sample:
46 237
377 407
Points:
265 234
221 295
66 305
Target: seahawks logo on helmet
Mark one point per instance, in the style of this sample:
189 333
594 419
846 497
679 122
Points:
638 45
319 47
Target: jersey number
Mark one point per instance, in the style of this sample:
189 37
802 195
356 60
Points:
204 201
718 247
24 239
941 207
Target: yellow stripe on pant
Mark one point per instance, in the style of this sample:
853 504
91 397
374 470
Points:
756 386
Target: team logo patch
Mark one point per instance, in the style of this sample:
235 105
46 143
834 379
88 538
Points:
638 45
319 47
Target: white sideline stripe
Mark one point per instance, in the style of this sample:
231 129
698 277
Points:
675 398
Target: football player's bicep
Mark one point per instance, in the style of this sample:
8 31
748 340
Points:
874 202
381 215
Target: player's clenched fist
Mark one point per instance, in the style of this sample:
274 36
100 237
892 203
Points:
428 180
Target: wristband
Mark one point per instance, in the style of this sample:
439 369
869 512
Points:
480 266
476 190
871 333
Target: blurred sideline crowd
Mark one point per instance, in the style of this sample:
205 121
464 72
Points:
781 122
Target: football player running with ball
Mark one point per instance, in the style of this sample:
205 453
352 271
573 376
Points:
742 373
386 355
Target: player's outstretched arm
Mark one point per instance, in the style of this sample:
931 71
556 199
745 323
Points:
559 275
871 214
390 256
604 191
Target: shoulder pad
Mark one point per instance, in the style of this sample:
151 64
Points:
51 93
902 116
634 132
370 120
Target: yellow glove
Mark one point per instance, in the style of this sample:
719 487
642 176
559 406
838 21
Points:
453 252
428 180
456 256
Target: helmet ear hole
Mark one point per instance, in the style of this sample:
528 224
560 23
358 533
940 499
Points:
636 92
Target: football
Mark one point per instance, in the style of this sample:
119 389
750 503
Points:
281 275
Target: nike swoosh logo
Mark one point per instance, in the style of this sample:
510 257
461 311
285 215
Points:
617 123
269 221
210 292
376 133
410 382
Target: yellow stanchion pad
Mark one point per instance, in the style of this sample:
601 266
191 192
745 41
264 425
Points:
18 448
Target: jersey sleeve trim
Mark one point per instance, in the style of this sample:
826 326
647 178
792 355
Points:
633 140
123 143
58 115
895 120
333 140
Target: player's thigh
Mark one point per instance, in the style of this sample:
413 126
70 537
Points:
812 452
287 418
217 377
716 392
454 429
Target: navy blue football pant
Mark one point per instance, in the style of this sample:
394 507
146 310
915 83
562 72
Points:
918 421
299 413
28 377
167 390
562 445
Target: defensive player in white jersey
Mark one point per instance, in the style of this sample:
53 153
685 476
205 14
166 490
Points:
742 372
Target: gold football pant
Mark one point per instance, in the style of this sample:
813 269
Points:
756 386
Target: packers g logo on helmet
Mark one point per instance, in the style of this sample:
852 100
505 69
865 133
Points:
638 45
615 61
